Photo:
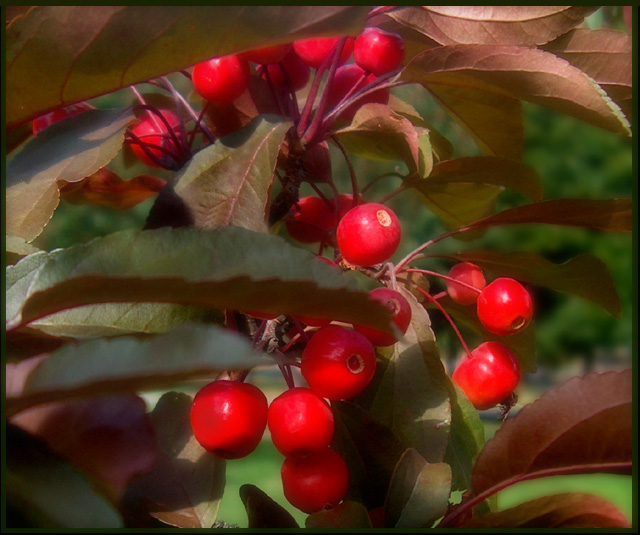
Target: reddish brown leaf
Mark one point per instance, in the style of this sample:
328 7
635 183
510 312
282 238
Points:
263 511
106 188
512 25
575 510
585 425
108 437
347 515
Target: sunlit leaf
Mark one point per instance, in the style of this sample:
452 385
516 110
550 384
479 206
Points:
264 512
347 515
17 248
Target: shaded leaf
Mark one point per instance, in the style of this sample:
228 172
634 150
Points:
26 342
106 188
230 267
17 248
69 150
584 425
228 182
411 396
575 510
419 492
584 275
126 364
111 47
347 515
263 511
504 25
604 214
95 428
522 73
48 491
603 54
186 487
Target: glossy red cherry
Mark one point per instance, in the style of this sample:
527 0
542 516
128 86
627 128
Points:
338 363
345 79
398 306
221 80
297 72
310 220
368 234
268 54
470 274
489 376
300 422
314 51
505 307
228 418
46 120
378 52
317 482
153 132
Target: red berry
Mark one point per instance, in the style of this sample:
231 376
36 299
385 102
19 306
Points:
368 234
378 52
345 79
228 418
314 51
505 307
316 482
46 120
153 132
268 54
221 80
338 363
489 376
300 422
399 307
470 274
310 221
297 71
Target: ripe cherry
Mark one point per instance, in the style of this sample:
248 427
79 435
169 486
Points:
314 51
268 54
400 309
378 52
221 80
368 234
345 79
470 274
153 133
310 220
297 71
505 307
300 422
338 363
228 418
317 482
489 376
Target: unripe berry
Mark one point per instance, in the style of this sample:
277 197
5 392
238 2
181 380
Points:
228 418
470 274
368 234
400 309
489 376
221 80
378 52
314 51
505 307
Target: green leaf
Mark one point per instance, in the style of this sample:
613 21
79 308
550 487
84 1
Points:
412 397
228 183
347 515
584 275
110 47
263 511
69 150
229 267
128 364
418 493
571 510
186 486
47 491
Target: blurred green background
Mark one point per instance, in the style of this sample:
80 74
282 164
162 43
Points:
574 336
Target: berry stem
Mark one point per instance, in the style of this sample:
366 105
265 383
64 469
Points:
352 173
441 276
272 88
393 173
295 110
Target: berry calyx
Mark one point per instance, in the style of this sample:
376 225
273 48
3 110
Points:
300 422
345 79
368 234
297 72
470 274
338 363
505 307
155 136
401 316
221 80
378 51
268 54
228 418
489 376
317 482
314 51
